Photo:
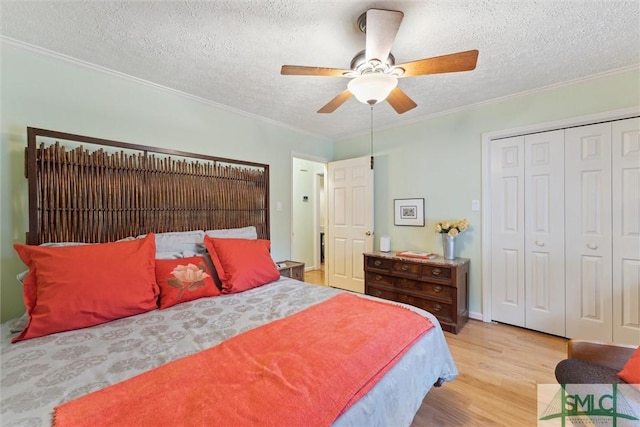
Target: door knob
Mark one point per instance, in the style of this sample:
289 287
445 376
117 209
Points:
539 243
368 233
592 246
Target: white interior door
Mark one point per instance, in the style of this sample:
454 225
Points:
350 222
544 232
588 232
507 226
626 230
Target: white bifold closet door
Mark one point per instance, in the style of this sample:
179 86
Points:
544 232
565 227
588 231
603 231
626 230
528 231
507 231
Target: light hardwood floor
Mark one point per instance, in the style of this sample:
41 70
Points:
314 276
499 367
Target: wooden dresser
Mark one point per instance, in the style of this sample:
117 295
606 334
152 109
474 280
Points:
438 286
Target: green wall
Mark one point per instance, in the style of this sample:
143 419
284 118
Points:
437 158
44 91
440 159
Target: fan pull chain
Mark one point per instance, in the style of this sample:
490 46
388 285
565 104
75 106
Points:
371 136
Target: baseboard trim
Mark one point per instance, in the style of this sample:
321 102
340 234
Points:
475 315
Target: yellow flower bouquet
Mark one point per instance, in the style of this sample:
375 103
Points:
452 228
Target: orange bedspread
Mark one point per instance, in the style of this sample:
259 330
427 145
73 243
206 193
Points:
303 370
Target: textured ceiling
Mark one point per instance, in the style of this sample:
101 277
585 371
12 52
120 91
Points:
230 52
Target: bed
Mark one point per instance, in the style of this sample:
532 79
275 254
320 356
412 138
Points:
43 372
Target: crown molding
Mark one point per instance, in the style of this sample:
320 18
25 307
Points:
543 89
98 68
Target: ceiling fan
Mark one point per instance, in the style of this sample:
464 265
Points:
373 71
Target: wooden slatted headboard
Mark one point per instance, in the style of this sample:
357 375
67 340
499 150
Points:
85 189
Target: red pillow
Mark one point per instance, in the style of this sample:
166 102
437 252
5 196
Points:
79 286
630 373
184 279
242 264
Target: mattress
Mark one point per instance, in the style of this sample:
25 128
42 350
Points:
41 373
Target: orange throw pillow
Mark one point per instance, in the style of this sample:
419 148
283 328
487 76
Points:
75 287
630 373
184 279
242 264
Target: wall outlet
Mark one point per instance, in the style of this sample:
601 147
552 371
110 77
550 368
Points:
475 205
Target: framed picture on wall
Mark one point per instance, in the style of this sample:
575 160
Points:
409 212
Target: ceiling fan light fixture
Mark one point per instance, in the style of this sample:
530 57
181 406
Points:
372 88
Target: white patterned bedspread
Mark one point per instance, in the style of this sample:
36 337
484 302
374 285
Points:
41 373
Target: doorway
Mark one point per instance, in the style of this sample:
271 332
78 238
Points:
308 216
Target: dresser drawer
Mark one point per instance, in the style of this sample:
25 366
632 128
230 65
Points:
406 268
378 264
379 279
442 311
439 291
436 272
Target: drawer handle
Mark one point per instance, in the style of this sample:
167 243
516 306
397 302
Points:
437 307
437 288
377 263
405 267
377 293
378 277
436 271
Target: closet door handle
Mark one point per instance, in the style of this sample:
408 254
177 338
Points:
592 246
539 243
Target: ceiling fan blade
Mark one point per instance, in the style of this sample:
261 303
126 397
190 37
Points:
461 61
400 101
301 70
382 27
336 102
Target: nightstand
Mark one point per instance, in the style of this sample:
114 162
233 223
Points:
293 269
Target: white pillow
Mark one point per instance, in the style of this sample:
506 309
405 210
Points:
21 276
20 323
62 244
249 232
179 241
170 255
